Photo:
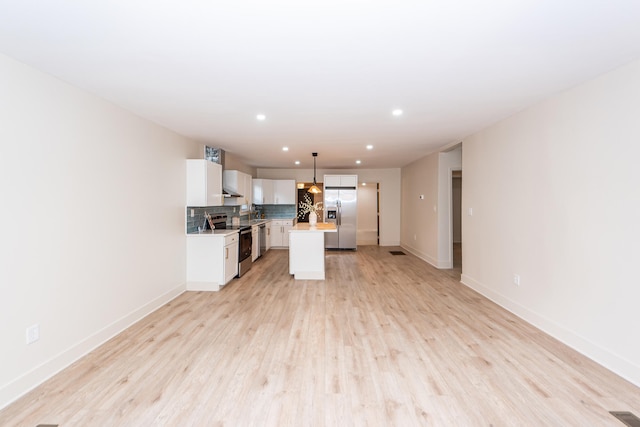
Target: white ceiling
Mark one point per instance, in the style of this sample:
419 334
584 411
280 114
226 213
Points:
325 73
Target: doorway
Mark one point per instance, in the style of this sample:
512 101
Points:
368 232
456 218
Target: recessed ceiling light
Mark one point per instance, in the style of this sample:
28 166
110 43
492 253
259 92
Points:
369 147
364 184
261 117
285 148
397 112
297 162
358 162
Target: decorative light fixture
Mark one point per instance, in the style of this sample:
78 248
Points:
314 188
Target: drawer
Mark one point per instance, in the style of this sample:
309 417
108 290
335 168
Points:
230 239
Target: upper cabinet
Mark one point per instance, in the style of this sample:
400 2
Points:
341 181
263 191
284 192
240 183
274 191
204 183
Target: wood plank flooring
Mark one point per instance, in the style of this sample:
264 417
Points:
384 341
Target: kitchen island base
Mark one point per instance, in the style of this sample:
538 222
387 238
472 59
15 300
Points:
306 250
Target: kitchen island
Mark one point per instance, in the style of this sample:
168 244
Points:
306 250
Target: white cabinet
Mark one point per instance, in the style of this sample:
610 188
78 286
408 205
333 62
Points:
212 260
230 258
274 191
280 232
341 181
263 191
306 252
204 183
255 242
284 192
237 182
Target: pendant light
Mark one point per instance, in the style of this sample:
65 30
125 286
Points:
314 188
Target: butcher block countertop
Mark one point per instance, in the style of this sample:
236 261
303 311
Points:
324 227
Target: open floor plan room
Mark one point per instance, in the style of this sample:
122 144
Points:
384 340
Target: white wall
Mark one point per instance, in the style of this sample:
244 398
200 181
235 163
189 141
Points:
91 222
232 162
427 227
389 180
555 197
420 215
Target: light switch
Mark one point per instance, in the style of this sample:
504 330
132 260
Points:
470 211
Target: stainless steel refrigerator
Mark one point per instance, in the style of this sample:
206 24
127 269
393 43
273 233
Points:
340 208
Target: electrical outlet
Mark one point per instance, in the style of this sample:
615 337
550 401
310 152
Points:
470 211
33 333
516 279
415 237
193 213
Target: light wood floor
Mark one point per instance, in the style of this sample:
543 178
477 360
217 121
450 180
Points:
384 341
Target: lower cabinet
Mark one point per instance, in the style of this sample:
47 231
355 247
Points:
280 232
212 260
230 258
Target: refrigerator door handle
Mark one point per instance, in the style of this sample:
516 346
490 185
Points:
339 219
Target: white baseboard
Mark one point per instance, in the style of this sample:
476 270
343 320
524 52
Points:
204 286
25 383
623 367
425 257
440 264
367 243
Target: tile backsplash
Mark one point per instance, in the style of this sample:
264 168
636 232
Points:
198 219
277 211
269 211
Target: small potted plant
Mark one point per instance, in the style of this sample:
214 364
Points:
307 207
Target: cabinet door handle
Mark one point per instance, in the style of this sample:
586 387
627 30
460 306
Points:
226 256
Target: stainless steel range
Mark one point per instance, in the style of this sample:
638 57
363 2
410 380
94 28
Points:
245 240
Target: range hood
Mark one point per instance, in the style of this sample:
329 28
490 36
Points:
216 155
226 193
